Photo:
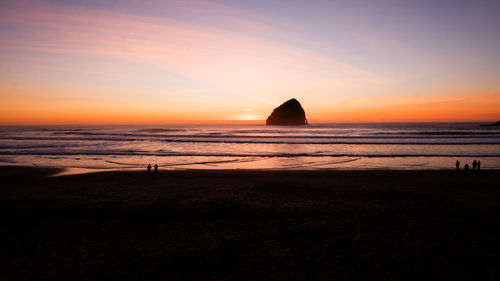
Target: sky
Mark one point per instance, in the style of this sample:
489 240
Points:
128 62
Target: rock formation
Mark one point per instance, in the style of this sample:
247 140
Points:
288 114
495 124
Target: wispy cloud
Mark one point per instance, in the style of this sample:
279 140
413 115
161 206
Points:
209 56
222 58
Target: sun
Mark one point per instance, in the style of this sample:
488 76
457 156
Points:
248 114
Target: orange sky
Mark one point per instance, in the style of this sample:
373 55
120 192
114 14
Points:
93 62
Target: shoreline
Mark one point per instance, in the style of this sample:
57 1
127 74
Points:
58 171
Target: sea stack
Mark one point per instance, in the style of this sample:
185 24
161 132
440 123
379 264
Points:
494 124
289 113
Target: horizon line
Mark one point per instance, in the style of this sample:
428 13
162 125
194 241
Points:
236 122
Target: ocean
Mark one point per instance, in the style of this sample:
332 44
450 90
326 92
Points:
316 146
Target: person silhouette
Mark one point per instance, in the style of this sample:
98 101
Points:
458 165
156 168
474 166
466 167
478 166
149 168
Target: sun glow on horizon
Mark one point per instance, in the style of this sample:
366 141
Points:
213 61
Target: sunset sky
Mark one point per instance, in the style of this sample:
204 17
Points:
74 62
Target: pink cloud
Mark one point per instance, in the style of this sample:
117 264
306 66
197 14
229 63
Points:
225 59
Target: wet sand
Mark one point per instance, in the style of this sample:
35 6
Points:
249 225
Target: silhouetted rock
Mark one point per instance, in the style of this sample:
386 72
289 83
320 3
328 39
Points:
289 113
496 124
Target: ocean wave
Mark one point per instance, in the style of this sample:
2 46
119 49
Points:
160 130
209 162
278 155
68 139
319 164
220 135
442 133
125 164
53 129
497 142
491 139
213 162
285 142
29 146
80 133
418 164
10 161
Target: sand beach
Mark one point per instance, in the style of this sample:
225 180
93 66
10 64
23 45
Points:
249 225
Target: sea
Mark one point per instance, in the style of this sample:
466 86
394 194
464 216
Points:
313 147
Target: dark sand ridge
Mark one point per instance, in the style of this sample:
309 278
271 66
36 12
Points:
249 225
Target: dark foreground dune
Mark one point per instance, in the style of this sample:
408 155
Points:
249 225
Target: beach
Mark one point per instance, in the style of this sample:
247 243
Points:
249 140
249 225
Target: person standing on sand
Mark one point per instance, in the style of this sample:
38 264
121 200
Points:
149 168
474 166
156 168
478 166
466 167
458 165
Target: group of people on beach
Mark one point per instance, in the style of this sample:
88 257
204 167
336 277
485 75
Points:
149 168
476 166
